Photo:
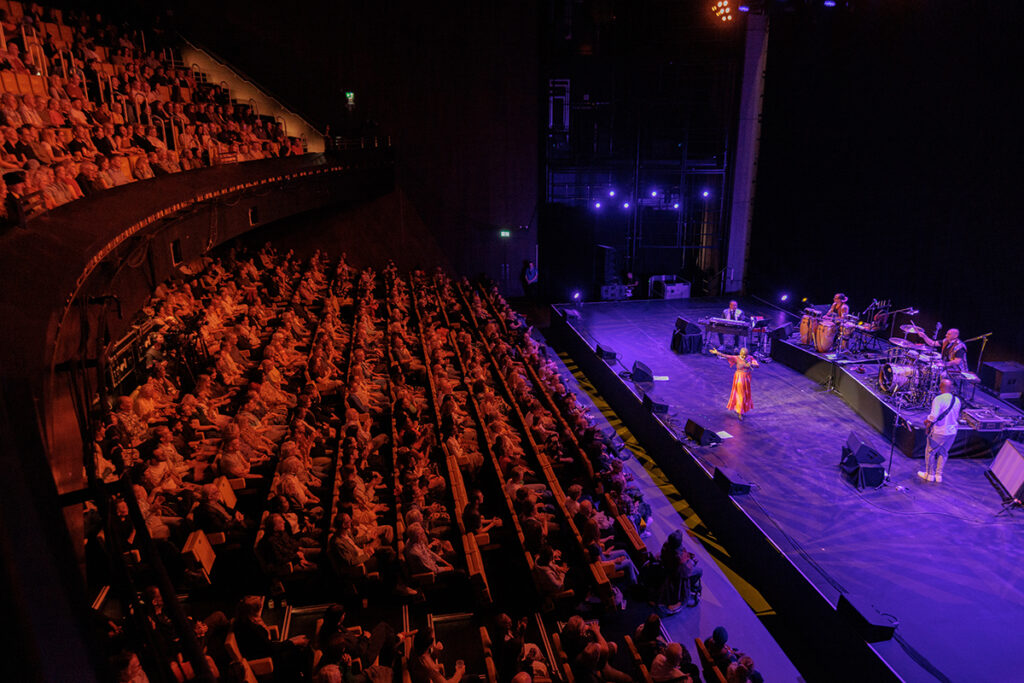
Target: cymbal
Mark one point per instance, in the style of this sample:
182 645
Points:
909 328
901 342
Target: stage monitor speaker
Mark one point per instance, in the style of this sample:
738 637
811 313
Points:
642 373
1008 468
861 464
1005 379
870 623
686 327
606 352
654 406
731 483
862 453
700 435
781 332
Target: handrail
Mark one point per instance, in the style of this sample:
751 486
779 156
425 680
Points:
39 58
255 106
110 87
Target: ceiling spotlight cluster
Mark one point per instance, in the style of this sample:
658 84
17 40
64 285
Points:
722 10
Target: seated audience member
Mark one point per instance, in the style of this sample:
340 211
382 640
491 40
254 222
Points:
721 654
281 552
420 558
648 639
293 658
667 666
423 664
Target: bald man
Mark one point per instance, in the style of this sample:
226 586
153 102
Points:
941 425
733 312
952 349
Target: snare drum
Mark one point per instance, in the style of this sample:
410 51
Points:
825 336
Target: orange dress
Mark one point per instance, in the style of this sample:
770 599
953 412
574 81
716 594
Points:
740 399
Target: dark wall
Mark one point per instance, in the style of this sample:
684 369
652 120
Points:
454 84
890 162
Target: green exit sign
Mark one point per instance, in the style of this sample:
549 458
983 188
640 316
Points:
504 233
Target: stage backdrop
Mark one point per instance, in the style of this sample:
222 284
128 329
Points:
891 160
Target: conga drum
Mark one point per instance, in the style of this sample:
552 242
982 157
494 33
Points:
808 324
824 336
846 336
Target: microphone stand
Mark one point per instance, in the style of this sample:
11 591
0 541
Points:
892 442
984 342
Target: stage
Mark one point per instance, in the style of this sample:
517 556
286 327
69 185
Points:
937 558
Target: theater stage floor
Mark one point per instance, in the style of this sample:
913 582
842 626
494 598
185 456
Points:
935 556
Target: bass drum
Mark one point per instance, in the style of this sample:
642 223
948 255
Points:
893 378
808 325
824 336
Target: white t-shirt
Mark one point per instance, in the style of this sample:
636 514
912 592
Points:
947 425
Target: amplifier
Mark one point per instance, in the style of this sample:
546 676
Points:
1005 379
985 419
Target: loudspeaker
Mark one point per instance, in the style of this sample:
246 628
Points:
871 624
686 327
1005 379
781 332
654 406
705 437
862 453
1008 468
730 482
606 352
642 373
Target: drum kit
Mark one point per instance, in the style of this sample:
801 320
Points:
833 335
911 371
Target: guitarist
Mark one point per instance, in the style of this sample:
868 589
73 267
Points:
940 425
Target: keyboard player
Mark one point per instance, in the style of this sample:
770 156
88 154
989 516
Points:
732 313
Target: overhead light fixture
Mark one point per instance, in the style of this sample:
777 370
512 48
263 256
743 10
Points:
722 10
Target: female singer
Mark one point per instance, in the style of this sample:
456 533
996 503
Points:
740 399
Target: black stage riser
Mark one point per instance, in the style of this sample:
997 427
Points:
877 413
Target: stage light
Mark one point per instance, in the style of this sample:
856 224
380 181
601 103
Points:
705 194
597 205
784 297
722 10
576 295
611 193
676 205
744 8
804 300
654 193
830 3
625 205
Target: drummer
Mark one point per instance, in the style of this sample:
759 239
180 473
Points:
951 348
838 310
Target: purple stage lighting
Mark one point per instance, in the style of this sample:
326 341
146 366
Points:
676 205
705 194
611 193
830 3
576 295
625 205
744 8
597 205
654 193
784 297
